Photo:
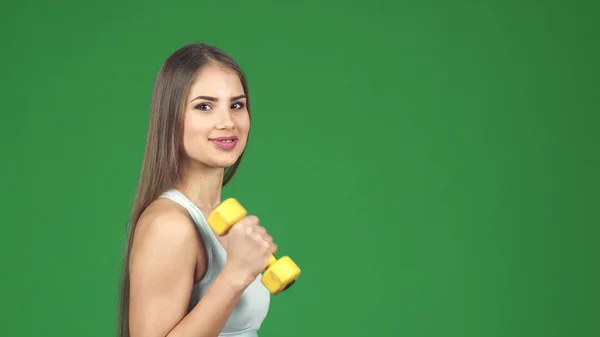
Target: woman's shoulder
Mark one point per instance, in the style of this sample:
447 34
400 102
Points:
165 246
165 223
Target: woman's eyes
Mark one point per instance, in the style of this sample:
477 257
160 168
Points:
205 106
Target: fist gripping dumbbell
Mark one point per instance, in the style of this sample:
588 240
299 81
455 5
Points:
279 274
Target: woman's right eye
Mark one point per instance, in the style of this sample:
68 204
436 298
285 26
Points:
203 106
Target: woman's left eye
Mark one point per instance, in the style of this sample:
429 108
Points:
237 105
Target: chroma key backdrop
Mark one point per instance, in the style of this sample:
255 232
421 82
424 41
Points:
432 166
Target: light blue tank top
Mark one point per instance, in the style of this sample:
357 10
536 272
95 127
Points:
253 305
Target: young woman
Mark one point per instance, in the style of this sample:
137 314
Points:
179 278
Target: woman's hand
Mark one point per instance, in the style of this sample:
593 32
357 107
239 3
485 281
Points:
249 247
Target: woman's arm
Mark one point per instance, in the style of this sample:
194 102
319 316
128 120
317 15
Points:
166 255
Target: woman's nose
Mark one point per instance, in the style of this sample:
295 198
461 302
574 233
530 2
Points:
225 121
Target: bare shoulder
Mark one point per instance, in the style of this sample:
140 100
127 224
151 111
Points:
165 219
165 229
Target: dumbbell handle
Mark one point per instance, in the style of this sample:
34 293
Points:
272 260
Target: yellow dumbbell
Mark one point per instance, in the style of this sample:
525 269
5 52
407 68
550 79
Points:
280 274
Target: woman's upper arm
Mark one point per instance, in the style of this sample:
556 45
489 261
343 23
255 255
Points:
162 268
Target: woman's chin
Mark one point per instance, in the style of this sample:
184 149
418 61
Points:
225 162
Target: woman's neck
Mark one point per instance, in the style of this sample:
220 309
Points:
203 187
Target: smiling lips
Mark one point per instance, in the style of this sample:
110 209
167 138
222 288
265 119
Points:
225 143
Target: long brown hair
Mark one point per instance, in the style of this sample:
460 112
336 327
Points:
161 167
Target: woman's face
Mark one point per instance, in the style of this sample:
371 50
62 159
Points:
216 121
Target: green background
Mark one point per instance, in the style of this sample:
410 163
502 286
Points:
431 165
